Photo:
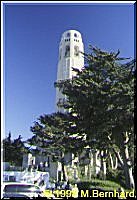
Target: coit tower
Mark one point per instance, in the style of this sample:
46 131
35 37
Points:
70 56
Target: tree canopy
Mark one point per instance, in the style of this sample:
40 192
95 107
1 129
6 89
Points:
55 131
101 99
99 102
13 150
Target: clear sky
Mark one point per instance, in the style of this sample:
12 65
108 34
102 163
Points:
32 33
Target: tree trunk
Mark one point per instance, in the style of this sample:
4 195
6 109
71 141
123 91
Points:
103 164
124 160
113 166
89 173
64 172
127 168
63 168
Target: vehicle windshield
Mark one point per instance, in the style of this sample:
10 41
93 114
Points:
21 188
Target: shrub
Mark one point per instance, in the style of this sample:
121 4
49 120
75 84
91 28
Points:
116 176
100 184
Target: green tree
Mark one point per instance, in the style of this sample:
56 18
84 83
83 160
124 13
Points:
53 135
101 100
13 150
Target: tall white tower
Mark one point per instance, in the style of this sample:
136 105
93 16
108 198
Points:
69 57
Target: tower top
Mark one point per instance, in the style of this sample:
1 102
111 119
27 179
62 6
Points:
71 33
70 57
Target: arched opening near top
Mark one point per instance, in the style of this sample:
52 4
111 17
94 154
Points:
75 35
67 51
68 34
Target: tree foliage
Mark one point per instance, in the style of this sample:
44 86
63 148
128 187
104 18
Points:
100 105
13 150
53 136
55 132
101 97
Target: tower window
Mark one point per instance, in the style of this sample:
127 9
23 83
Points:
75 35
66 40
76 50
68 34
67 51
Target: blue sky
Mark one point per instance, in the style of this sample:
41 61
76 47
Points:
32 33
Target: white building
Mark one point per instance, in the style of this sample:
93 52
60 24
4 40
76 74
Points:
70 56
70 46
